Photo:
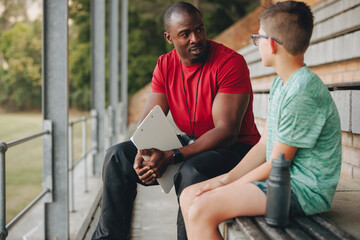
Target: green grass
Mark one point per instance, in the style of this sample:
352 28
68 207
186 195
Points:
24 162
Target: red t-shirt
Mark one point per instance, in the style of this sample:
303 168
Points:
224 71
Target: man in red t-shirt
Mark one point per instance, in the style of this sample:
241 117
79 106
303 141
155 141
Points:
206 86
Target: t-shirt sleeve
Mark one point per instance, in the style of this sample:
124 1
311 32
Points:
300 122
158 79
234 76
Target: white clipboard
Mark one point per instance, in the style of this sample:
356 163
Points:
155 131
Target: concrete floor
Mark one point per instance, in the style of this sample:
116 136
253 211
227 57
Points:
155 214
345 209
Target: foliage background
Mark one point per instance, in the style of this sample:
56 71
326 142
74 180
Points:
20 46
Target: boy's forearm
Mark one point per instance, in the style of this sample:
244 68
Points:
254 158
262 172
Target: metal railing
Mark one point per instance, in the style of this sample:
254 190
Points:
46 189
47 159
84 155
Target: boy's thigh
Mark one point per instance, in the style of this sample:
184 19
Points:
237 199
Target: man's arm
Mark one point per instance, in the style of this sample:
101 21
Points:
228 111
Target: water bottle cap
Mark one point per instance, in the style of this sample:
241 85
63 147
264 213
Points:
280 161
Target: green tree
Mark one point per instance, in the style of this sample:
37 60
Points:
20 72
145 44
79 54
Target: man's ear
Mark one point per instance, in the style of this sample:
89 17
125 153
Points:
273 45
168 37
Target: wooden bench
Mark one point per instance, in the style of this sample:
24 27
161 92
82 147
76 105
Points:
311 227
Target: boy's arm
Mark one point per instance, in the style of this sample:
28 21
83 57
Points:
254 158
253 166
262 172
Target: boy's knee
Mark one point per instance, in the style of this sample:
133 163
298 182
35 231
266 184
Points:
196 213
185 198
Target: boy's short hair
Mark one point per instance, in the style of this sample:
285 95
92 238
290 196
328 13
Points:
290 21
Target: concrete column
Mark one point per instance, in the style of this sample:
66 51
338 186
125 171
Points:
55 108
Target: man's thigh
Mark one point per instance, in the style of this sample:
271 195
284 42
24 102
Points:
212 163
219 161
208 164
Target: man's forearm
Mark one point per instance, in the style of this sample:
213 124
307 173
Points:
214 138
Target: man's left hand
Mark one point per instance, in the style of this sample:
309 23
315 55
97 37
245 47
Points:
159 160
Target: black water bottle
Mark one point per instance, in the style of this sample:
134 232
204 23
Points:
278 193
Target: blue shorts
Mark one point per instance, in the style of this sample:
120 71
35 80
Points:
295 207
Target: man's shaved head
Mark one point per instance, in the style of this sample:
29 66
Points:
179 7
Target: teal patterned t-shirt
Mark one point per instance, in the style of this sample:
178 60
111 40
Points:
302 114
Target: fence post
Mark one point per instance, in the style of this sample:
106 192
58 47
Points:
97 9
124 63
3 230
94 138
113 68
110 131
84 152
48 161
71 168
55 104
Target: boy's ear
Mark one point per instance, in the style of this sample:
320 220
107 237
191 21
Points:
168 37
273 45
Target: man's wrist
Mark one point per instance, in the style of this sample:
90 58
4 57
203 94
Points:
177 156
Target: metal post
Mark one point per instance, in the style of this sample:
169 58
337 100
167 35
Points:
110 134
48 173
124 63
84 152
113 68
71 169
94 138
98 75
55 108
3 230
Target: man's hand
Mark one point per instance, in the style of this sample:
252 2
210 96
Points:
159 160
145 174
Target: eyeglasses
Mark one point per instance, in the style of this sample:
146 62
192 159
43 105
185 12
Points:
256 38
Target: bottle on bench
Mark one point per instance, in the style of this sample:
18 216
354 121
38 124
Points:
278 193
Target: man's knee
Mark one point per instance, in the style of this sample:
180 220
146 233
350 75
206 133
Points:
186 176
119 158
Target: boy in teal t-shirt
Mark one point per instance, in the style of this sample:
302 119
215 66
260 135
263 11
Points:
302 114
303 123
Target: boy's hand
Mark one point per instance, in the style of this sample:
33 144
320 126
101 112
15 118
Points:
208 187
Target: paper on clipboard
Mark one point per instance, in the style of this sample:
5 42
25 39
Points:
155 131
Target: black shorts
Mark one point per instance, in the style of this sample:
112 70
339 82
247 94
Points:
295 207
